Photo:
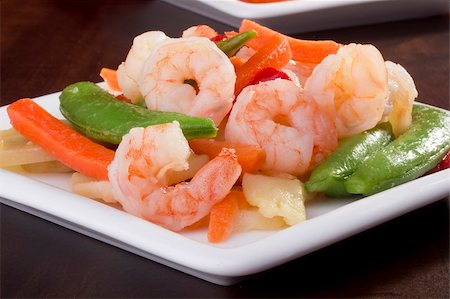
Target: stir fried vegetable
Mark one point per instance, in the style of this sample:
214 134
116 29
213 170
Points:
275 53
59 140
223 216
329 176
411 155
306 51
231 45
276 196
100 116
250 157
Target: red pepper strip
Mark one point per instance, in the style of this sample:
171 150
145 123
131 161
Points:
219 38
444 164
276 53
268 74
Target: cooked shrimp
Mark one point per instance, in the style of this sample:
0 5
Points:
141 169
353 82
129 71
191 76
200 31
278 116
402 93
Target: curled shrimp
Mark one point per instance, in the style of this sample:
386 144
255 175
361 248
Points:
279 117
200 31
141 169
129 71
402 93
352 84
191 76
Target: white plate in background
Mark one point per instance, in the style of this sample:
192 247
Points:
244 254
296 16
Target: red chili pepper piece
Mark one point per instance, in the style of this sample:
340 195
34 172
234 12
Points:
444 164
268 74
218 38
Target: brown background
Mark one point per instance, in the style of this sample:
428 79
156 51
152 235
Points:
46 45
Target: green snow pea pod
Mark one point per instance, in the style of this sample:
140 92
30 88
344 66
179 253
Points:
231 45
100 116
329 176
408 157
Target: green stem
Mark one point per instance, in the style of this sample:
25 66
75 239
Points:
231 45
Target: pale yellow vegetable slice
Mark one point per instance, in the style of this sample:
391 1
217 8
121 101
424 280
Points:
275 196
11 137
91 188
47 167
23 154
17 153
251 219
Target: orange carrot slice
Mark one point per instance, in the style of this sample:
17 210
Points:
305 51
62 142
250 157
275 53
223 216
110 77
237 62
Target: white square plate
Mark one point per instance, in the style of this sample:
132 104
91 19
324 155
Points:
295 16
244 254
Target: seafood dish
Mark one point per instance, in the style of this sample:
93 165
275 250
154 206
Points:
234 131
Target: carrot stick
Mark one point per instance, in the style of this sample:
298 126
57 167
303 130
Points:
110 77
305 51
237 62
222 217
62 142
275 53
250 157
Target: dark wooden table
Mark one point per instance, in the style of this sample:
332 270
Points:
46 45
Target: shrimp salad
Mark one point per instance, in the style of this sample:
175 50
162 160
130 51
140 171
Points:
280 106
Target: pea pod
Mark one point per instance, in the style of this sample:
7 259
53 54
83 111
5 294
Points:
231 45
409 156
329 176
100 116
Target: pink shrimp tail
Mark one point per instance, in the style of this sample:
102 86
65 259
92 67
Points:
221 175
185 204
